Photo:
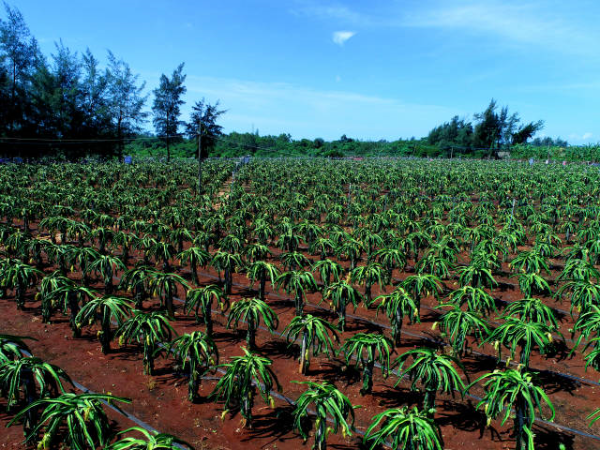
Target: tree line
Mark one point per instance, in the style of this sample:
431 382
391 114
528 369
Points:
70 104
493 130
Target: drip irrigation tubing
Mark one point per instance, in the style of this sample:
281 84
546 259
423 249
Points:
273 294
139 422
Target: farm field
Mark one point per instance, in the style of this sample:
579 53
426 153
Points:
450 295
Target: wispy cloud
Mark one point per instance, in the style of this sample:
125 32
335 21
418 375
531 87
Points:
560 28
520 22
337 12
340 37
303 111
586 136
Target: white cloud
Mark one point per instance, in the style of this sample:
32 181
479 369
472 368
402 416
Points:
338 78
340 37
579 138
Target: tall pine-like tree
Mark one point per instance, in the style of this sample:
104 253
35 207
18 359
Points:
167 105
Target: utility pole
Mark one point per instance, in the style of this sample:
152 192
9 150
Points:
199 157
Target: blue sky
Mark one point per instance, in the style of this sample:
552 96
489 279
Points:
370 70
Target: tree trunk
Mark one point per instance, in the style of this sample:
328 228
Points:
327 278
321 434
169 303
148 358
194 267
227 282
108 284
30 419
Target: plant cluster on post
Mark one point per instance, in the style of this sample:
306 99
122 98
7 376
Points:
195 257
434 371
340 294
406 429
148 441
330 405
367 349
518 334
251 310
18 276
83 416
36 379
262 271
228 263
456 325
149 329
315 334
398 305
244 377
107 309
298 282
516 390
202 299
199 353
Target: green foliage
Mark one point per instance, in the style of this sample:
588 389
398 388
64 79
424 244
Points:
457 324
584 295
13 347
87 425
244 376
106 310
202 298
149 329
19 276
476 299
315 335
330 404
519 334
32 376
434 371
406 429
398 305
531 310
199 353
167 104
251 310
367 349
298 282
148 441
340 294
513 389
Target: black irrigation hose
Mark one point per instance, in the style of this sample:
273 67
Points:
139 422
397 373
561 374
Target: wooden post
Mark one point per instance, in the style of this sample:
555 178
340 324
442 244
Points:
199 157
512 213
